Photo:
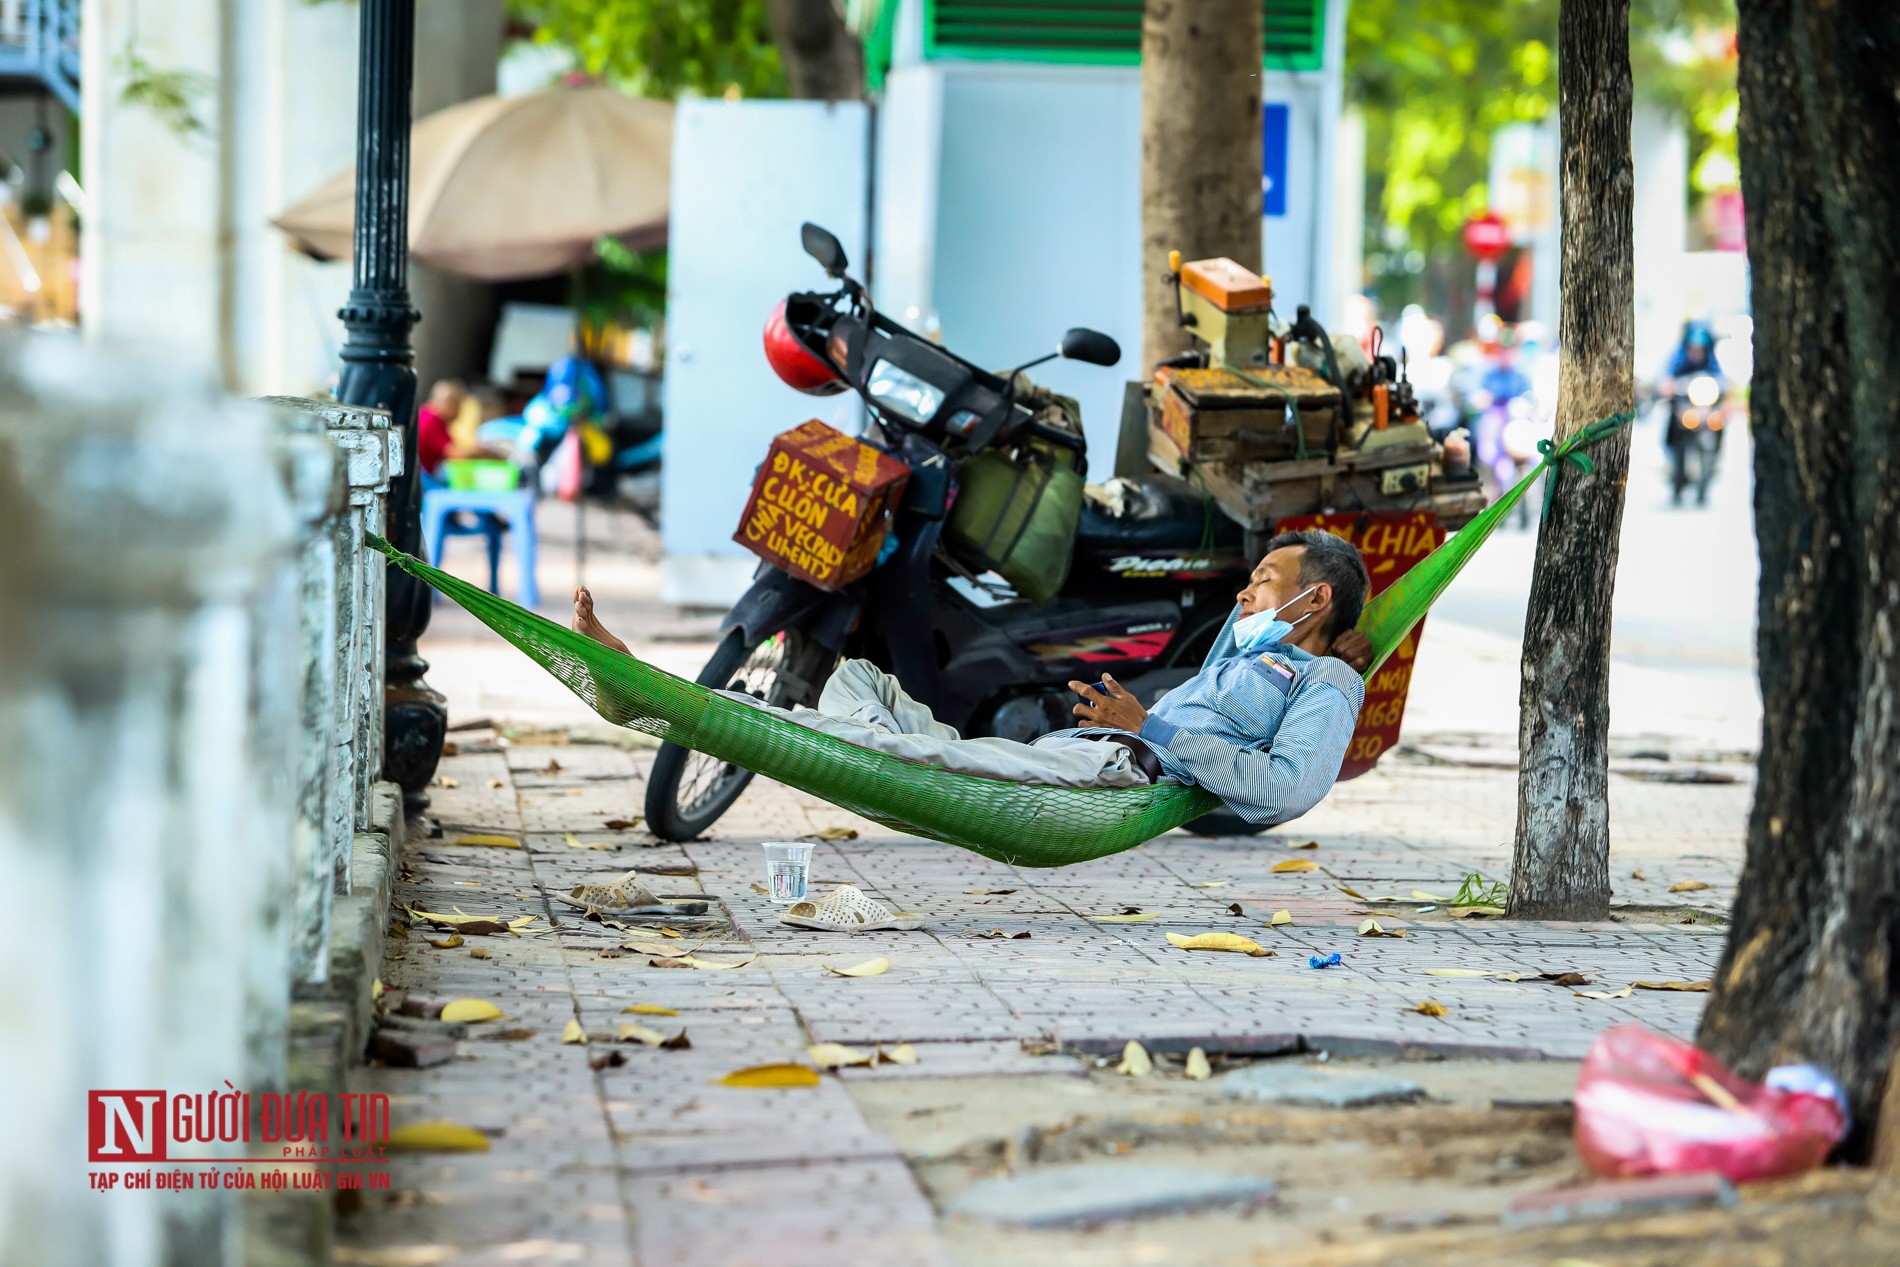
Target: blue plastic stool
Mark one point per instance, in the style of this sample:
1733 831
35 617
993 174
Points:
496 513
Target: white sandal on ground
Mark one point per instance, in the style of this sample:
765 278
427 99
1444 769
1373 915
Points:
846 910
627 896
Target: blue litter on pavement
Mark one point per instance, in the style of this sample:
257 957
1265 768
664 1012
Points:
1329 961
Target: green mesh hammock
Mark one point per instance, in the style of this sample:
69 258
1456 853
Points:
1021 824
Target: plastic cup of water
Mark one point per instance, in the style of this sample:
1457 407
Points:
787 869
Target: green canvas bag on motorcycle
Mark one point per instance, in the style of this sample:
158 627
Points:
1017 510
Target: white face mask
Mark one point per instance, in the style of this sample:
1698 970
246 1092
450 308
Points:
1264 628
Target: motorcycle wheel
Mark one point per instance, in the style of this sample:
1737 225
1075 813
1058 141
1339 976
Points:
1223 822
688 791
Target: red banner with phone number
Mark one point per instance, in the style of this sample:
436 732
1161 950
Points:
1390 545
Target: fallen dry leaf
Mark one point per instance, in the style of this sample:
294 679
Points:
869 968
1565 979
612 1058
1220 941
717 965
631 1033
760 888
1022 936
902 1054
1126 919
1197 1067
657 949
1296 864
1373 928
479 953
488 842
447 943
668 963
990 892
509 1035
1215 884
622 824
552 767
649 1009
1428 1008
470 1010
1636 875
1690 886
1280 917
1420 895
836 833
1458 972
1135 1062
1305 844
436 1137
573 1033
1475 912
376 988
1689 987
446 781
669 932
496 783
679 1042
1624 993
575 842
1235 908
768 1076
838 1056
462 922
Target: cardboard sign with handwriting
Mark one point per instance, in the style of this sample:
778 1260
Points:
821 505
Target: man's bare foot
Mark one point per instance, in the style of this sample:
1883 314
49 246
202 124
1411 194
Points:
587 623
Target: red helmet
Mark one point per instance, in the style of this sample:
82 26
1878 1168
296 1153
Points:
794 363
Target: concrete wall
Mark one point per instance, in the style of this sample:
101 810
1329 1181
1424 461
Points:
179 248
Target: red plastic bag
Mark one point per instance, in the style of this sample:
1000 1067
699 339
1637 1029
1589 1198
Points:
1648 1104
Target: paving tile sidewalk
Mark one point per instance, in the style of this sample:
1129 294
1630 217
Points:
652 1163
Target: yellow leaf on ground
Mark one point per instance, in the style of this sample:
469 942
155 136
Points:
436 1137
1352 892
1197 1067
1429 1008
679 1042
446 781
1458 972
650 1009
669 932
766 1076
1280 917
631 1033
1135 1062
1126 919
573 1033
869 968
479 953
1475 912
376 988
1215 884
1373 928
838 1056
902 1054
718 965
1220 941
1690 886
1305 844
1296 864
1422 896
575 842
1624 993
1691 987
468 1010
496 783
447 943
623 824
462 922
659 949
836 833
490 842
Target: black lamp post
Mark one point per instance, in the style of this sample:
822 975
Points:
379 371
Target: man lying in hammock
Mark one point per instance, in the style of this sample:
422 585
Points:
1264 725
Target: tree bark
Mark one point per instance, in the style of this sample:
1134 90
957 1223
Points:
823 59
1200 148
1560 868
1811 971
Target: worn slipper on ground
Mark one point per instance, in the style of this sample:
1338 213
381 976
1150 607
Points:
846 910
627 896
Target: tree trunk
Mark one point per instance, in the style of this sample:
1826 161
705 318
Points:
823 59
1560 868
1200 148
1811 971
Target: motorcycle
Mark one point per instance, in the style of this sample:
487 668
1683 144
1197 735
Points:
1693 435
1152 576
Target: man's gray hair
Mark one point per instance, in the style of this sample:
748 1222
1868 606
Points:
1334 561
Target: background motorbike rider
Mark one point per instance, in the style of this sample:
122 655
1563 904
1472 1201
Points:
1679 387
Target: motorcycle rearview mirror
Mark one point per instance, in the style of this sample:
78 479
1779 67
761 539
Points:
1092 346
824 247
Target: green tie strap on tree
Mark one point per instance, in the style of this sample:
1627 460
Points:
1017 823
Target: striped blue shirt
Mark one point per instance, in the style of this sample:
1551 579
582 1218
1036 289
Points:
1266 733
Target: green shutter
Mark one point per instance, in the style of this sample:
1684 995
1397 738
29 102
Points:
1101 32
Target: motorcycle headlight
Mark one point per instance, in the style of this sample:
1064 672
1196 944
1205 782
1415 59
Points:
903 393
1704 391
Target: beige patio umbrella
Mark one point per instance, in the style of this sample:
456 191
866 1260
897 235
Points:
505 187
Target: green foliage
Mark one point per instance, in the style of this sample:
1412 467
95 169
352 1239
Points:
624 286
173 95
1475 892
661 48
1435 78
